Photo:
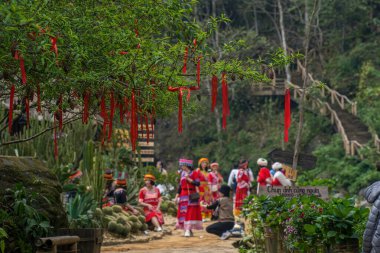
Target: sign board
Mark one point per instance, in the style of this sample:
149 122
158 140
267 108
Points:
294 191
290 172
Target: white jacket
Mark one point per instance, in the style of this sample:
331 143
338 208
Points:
282 179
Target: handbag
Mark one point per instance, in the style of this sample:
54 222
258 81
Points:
193 196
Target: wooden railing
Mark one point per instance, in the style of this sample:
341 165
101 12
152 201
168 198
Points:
350 147
335 96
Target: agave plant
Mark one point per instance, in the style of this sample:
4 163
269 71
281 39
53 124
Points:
81 210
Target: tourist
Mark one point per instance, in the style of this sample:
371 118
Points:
120 195
223 207
279 179
371 240
244 180
108 194
264 178
150 199
232 178
215 180
161 168
202 173
189 211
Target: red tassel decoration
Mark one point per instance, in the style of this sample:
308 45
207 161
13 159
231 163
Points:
287 115
214 92
180 111
60 113
226 106
27 110
199 70
22 66
55 138
147 128
134 123
184 68
54 47
195 43
136 30
112 112
86 101
103 114
38 99
10 113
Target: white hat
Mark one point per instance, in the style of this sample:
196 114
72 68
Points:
262 162
277 166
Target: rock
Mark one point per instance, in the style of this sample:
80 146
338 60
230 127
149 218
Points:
36 177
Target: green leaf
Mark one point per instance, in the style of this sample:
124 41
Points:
331 234
310 229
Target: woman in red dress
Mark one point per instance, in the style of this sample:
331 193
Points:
204 189
189 210
215 181
264 178
243 180
150 199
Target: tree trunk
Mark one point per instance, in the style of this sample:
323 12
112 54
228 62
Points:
283 40
304 84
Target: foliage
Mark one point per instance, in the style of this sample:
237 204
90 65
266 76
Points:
3 236
21 220
306 222
81 209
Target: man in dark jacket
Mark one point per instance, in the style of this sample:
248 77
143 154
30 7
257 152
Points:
371 238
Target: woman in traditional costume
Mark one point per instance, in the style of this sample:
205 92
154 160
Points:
150 199
204 190
243 180
264 178
279 179
189 210
108 198
120 195
215 181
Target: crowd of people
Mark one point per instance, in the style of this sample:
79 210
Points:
202 195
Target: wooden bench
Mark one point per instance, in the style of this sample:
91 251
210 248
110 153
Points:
66 244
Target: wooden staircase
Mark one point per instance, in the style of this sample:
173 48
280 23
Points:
342 111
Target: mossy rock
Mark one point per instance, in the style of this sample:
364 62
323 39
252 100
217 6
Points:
36 177
133 218
107 210
117 209
112 226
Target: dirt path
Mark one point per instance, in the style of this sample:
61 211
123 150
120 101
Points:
176 243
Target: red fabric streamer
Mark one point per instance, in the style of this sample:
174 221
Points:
195 42
136 29
134 123
112 112
180 111
147 128
27 111
55 138
38 99
54 46
226 106
22 66
184 68
214 92
123 52
199 70
287 115
60 113
10 113
85 114
103 114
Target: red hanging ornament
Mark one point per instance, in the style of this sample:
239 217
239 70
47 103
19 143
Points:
147 128
199 70
195 43
287 115
136 29
86 101
54 46
112 112
214 92
19 57
184 68
226 106
134 122
38 99
123 52
180 110
60 111
10 113
103 114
